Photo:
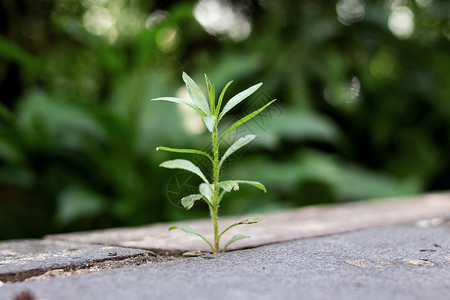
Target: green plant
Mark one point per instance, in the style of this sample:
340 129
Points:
212 193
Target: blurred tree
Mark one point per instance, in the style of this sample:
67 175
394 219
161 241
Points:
363 89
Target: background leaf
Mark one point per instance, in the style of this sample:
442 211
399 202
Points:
355 118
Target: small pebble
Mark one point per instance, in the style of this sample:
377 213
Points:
383 264
419 262
360 263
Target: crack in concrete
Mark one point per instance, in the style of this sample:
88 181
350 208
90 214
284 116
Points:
98 265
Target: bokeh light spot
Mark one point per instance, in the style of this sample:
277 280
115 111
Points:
221 18
401 22
350 11
167 39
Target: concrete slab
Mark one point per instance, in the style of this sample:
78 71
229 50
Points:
401 262
276 227
28 258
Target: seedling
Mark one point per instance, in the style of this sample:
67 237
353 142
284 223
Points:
213 192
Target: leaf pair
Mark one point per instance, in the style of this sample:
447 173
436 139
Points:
235 237
206 191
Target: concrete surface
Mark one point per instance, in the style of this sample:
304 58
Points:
395 262
276 227
26 258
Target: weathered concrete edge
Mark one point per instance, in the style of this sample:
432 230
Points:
23 275
307 222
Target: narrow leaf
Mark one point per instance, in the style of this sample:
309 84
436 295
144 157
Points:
208 82
206 191
190 151
251 221
189 201
219 103
194 253
245 119
238 98
184 165
229 185
241 142
245 222
209 121
180 101
212 99
254 183
212 96
235 238
188 229
196 94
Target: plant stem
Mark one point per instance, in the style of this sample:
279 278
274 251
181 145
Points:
215 200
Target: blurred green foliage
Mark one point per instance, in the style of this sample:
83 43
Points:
363 110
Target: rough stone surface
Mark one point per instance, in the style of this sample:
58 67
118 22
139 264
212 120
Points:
401 262
276 227
26 258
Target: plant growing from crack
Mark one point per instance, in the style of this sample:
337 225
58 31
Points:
213 192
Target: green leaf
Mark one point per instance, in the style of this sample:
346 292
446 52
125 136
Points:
254 183
189 151
196 94
188 229
219 103
238 98
212 96
11 51
229 185
244 222
180 101
75 203
208 82
245 119
251 221
5 114
206 191
194 253
235 238
184 165
241 142
209 121
189 201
